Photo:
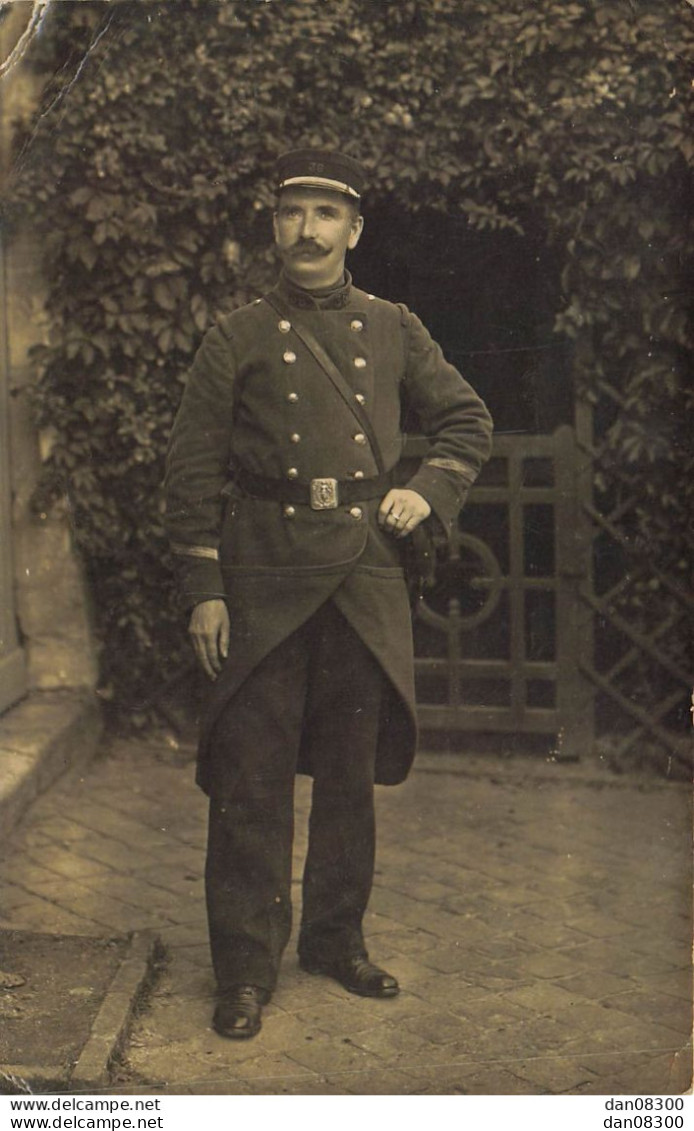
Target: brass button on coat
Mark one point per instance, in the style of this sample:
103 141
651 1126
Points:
292 473
359 438
289 511
295 438
289 357
360 363
357 474
360 398
292 397
356 512
357 325
284 327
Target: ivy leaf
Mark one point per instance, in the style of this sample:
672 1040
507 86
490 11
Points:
164 297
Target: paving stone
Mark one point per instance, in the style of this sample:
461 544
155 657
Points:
31 876
527 1037
670 1012
272 1070
97 908
190 859
112 822
365 1012
118 856
197 955
293 996
164 1065
490 1011
13 897
590 1017
53 920
674 951
375 924
178 1017
329 1055
380 1083
629 1038
169 876
412 941
472 931
451 991
511 968
73 866
30 838
541 997
184 934
549 964
184 979
501 976
595 984
504 947
334 1016
512 895
131 891
390 1042
676 983
425 890
448 960
662 1075
471 1080
602 926
60 830
442 1027
554 1074
304 1085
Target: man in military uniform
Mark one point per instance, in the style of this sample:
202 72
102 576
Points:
287 520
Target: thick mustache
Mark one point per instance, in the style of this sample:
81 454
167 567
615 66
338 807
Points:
308 247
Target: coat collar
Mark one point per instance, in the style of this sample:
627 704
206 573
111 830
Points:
304 300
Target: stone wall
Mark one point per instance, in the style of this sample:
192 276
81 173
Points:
50 595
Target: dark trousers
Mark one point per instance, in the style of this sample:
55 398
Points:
319 692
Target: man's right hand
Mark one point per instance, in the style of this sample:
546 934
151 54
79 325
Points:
209 631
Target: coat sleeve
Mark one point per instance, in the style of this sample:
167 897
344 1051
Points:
197 468
452 415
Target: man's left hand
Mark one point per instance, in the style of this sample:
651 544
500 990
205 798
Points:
401 511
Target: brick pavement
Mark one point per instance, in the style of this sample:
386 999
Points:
538 918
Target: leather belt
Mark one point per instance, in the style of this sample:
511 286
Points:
319 494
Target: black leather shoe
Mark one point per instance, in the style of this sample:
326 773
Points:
238 1012
355 973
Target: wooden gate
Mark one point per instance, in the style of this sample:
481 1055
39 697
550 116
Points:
497 638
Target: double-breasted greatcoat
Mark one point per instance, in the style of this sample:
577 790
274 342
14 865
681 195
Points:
257 399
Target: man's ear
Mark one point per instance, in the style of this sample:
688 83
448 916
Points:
357 228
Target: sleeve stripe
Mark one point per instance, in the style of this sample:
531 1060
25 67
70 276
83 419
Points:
455 465
195 551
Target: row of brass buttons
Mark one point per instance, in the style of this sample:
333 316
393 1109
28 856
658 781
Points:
289 511
356 325
289 357
293 398
295 438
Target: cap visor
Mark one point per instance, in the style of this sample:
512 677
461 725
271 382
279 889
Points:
320 182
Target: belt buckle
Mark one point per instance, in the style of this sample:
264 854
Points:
324 494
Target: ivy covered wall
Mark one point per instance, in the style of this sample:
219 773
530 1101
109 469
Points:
147 172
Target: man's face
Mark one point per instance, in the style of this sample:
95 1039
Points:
314 229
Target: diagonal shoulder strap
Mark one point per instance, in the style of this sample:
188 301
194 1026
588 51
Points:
328 366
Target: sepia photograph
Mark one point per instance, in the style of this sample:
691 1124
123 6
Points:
346 496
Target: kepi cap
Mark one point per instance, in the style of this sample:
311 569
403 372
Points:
321 168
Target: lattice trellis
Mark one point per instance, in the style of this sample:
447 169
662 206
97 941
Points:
636 627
